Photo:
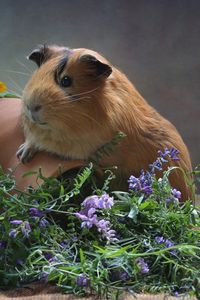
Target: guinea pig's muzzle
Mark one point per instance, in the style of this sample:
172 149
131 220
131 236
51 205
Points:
34 113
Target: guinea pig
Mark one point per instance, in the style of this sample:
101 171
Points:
76 101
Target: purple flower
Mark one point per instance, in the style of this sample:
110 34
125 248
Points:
163 158
171 153
47 255
27 226
64 244
156 165
16 222
174 154
168 243
13 233
141 184
2 244
172 200
124 276
104 227
91 201
88 217
35 212
147 190
20 262
134 183
26 229
103 202
142 265
54 259
82 280
43 223
163 155
176 193
159 239
43 277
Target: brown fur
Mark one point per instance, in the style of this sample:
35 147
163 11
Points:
76 127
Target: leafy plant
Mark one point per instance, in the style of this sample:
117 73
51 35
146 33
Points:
100 241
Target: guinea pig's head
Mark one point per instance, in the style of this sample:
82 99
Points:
65 89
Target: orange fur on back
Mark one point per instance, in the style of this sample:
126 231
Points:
75 121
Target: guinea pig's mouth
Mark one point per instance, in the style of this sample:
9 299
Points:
37 121
42 124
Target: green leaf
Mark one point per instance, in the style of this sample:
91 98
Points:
133 213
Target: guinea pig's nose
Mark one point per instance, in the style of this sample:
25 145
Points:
34 107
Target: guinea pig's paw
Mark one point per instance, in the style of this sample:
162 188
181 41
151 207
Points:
25 152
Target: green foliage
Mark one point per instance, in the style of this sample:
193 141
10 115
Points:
55 248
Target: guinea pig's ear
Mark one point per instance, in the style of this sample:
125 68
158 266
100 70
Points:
39 55
95 67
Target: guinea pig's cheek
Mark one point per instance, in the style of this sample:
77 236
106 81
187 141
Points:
26 112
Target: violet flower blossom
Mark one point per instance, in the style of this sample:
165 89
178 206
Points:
163 158
124 276
141 184
43 223
82 280
168 243
89 217
144 268
3 244
26 229
16 222
176 193
103 202
35 212
13 233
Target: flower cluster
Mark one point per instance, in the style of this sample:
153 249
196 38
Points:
143 183
38 214
89 217
24 226
163 158
174 198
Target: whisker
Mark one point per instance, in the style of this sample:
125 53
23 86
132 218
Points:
78 99
77 112
92 119
62 101
88 92
24 66
17 72
18 87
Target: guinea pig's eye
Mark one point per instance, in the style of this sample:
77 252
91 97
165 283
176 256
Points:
66 81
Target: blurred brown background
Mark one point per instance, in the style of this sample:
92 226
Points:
155 42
